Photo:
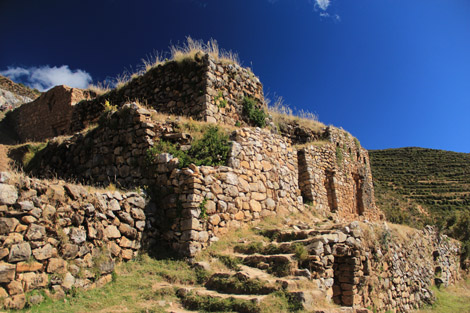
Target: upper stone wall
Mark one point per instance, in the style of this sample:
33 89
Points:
336 176
204 88
49 115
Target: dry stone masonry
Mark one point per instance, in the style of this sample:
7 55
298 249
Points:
59 236
204 88
335 176
49 115
201 203
361 264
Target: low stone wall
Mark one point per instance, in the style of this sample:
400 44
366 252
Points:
114 152
204 88
58 236
371 265
201 203
336 176
49 115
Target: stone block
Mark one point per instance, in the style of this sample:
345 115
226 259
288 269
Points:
7 272
20 252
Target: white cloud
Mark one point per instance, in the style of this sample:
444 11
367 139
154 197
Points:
45 77
322 4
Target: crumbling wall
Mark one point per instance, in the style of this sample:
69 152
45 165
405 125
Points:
204 89
49 115
336 176
60 236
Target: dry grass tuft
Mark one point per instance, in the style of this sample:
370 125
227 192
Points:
189 49
100 88
152 60
282 113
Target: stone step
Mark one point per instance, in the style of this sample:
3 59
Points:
287 235
202 299
241 283
279 265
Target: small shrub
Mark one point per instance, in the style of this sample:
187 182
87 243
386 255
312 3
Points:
256 115
300 252
212 149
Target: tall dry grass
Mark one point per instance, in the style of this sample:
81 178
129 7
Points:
189 49
282 113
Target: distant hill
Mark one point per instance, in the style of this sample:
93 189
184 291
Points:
13 95
416 186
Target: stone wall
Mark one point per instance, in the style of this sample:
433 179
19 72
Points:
201 203
49 115
372 265
203 88
59 236
113 152
260 179
336 176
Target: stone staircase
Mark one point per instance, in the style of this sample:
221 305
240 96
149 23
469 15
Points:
288 265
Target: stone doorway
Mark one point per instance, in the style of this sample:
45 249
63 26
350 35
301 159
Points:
331 191
358 184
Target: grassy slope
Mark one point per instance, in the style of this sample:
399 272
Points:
421 180
451 300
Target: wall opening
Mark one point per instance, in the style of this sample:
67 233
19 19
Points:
357 193
344 288
331 191
304 177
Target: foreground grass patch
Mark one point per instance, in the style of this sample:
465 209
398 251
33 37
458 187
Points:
139 286
452 299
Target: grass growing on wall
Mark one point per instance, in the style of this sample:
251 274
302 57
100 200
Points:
212 149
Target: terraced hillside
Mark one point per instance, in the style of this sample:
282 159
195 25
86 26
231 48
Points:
431 185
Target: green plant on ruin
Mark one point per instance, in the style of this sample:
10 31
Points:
108 107
202 207
256 115
357 143
212 150
222 101
300 252
339 155
238 124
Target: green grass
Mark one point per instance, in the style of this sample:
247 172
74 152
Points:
137 288
451 300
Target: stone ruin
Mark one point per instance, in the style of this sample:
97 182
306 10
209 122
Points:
265 175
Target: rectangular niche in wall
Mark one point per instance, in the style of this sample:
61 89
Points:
331 191
358 183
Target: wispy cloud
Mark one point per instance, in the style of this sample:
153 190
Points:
45 77
322 4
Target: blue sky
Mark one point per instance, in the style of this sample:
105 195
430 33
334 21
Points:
394 73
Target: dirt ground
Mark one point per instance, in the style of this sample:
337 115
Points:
4 160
